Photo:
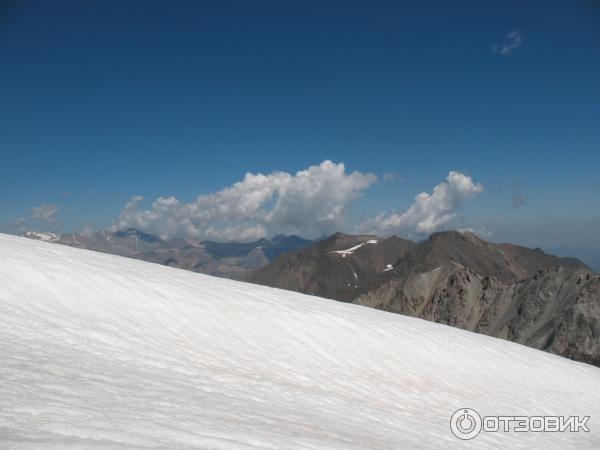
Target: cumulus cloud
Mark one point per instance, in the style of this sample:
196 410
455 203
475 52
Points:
512 41
46 213
312 200
429 212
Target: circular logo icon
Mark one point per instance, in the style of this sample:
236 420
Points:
465 424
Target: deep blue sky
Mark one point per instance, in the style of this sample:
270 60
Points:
102 100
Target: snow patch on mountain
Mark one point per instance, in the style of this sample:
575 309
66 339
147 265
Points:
41 236
351 250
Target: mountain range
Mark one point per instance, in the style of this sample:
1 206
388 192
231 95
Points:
338 267
233 260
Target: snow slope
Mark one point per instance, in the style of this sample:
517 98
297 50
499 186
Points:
101 351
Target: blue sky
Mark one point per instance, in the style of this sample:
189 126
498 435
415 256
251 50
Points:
101 101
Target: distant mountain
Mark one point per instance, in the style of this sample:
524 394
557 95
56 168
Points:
590 255
456 278
343 266
335 267
226 259
506 262
271 248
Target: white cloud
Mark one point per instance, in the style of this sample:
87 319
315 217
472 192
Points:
512 41
429 212
46 213
312 200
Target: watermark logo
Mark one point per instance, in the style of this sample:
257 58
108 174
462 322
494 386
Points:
466 424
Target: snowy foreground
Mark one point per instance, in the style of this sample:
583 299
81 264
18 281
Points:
101 351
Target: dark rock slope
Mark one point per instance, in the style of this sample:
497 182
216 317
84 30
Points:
336 267
556 309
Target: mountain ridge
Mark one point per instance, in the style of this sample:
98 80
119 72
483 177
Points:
335 267
226 259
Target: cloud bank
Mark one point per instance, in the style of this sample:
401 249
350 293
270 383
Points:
429 212
311 201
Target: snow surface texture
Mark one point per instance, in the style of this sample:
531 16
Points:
101 351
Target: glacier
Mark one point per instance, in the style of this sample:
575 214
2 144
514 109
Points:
100 351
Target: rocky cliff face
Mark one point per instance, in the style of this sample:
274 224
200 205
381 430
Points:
507 262
338 267
342 267
556 309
